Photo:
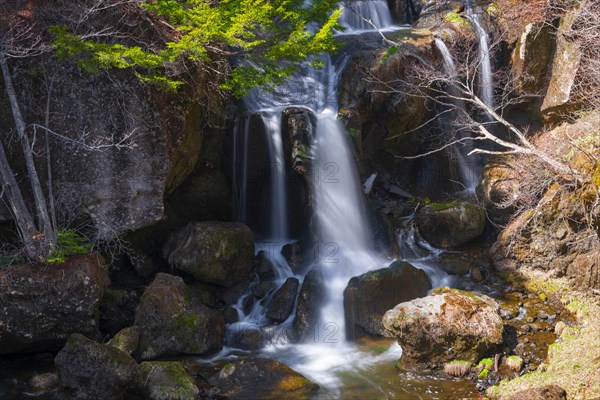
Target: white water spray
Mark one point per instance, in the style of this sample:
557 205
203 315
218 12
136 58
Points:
485 70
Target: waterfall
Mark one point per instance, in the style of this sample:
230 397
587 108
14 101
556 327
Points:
344 243
485 71
468 166
278 229
366 15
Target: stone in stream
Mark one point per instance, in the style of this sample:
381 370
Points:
293 254
282 303
447 325
40 306
448 225
166 380
368 296
260 378
91 371
311 298
171 324
214 252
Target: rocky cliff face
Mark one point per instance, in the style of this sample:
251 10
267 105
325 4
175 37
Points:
118 147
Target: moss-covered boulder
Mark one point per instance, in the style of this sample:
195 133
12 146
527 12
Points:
213 252
89 370
126 340
40 306
311 298
171 323
448 225
260 378
368 296
166 380
448 325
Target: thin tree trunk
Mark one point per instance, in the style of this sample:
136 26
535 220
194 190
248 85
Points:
40 201
16 203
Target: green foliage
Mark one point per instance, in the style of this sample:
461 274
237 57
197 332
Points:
455 17
68 242
272 36
486 363
388 53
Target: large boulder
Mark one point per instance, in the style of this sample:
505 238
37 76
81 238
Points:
166 380
171 324
448 325
311 298
564 71
282 302
213 252
448 225
91 371
368 296
532 56
259 378
40 306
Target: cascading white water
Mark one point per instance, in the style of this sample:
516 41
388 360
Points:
365 15
279 224
469 168
344 243
485 70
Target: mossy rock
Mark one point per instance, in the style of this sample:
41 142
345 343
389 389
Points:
447 325
89 370
171 324
448 225
213 252
167 380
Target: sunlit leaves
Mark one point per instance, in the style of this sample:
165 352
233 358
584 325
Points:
272 35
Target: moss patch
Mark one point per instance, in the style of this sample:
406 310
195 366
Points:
574 362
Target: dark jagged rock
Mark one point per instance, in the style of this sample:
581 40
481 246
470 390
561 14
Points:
282 303
264 267
40 306
448 325
298 131
293 254
166 380
212 252
259 378
171 324
311 298
367 297
91 371
447 225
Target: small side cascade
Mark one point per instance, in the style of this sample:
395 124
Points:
469 167
485 71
